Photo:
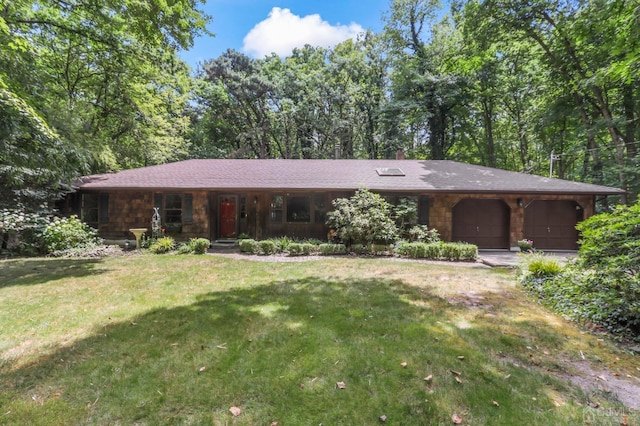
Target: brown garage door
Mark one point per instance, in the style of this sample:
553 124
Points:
484 223
551 224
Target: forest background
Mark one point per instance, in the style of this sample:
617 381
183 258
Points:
90 86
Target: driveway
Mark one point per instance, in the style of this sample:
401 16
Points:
511 259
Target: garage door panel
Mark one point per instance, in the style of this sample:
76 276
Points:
551 224
483 222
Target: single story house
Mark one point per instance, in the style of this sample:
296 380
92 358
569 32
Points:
222 199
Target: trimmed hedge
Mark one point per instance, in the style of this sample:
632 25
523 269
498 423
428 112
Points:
435 251
268 247
248 246
438 251
332 249
300 249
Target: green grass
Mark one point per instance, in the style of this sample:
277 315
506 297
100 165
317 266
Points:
181 339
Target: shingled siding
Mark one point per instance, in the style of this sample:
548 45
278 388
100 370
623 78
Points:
134 209
129 209
441 211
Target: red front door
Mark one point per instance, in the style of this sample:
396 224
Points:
227 217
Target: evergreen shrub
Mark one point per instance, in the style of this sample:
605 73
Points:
332 249
249 245
603 285
267 247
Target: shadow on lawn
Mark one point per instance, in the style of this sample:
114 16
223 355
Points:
38 271
278 351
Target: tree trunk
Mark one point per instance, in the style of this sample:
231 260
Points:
630 121
487 112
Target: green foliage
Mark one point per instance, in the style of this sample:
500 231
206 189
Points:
283 243
314 241
68 233
300 249
406 212
422 234
540 266
248 245
459 251
373 249
163 245
146 242
364 219
360 249
185 248
611 240
438 251
603 286
194 246
200 245
525 245
90 86
268 247
20 230
586 296
332 249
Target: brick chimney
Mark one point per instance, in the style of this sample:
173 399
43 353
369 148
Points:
400 154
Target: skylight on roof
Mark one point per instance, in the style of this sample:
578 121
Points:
389 171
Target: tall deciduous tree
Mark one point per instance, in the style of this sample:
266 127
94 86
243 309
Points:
425 91
103 76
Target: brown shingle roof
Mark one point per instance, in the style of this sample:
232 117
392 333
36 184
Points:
429 176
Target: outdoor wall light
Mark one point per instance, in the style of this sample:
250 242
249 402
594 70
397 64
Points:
255 199
520 202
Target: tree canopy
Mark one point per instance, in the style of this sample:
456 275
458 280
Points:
525 85
90 86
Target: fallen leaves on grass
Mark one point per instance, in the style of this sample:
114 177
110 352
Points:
456 419
495 403
341 385
403 364
428 378
383 418
236 411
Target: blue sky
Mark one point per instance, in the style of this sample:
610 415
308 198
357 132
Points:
258 27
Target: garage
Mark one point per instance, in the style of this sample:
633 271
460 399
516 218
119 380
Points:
484 223
551 224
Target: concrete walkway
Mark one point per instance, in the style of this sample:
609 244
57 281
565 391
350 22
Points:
511 259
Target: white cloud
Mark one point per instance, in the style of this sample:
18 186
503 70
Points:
282 31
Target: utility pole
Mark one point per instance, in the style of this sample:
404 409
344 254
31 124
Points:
552 158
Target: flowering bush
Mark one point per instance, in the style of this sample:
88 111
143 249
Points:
20 230
525 245
365 218
68 233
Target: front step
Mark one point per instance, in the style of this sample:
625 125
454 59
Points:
224 245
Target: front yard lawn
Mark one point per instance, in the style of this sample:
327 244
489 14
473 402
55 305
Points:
172 339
